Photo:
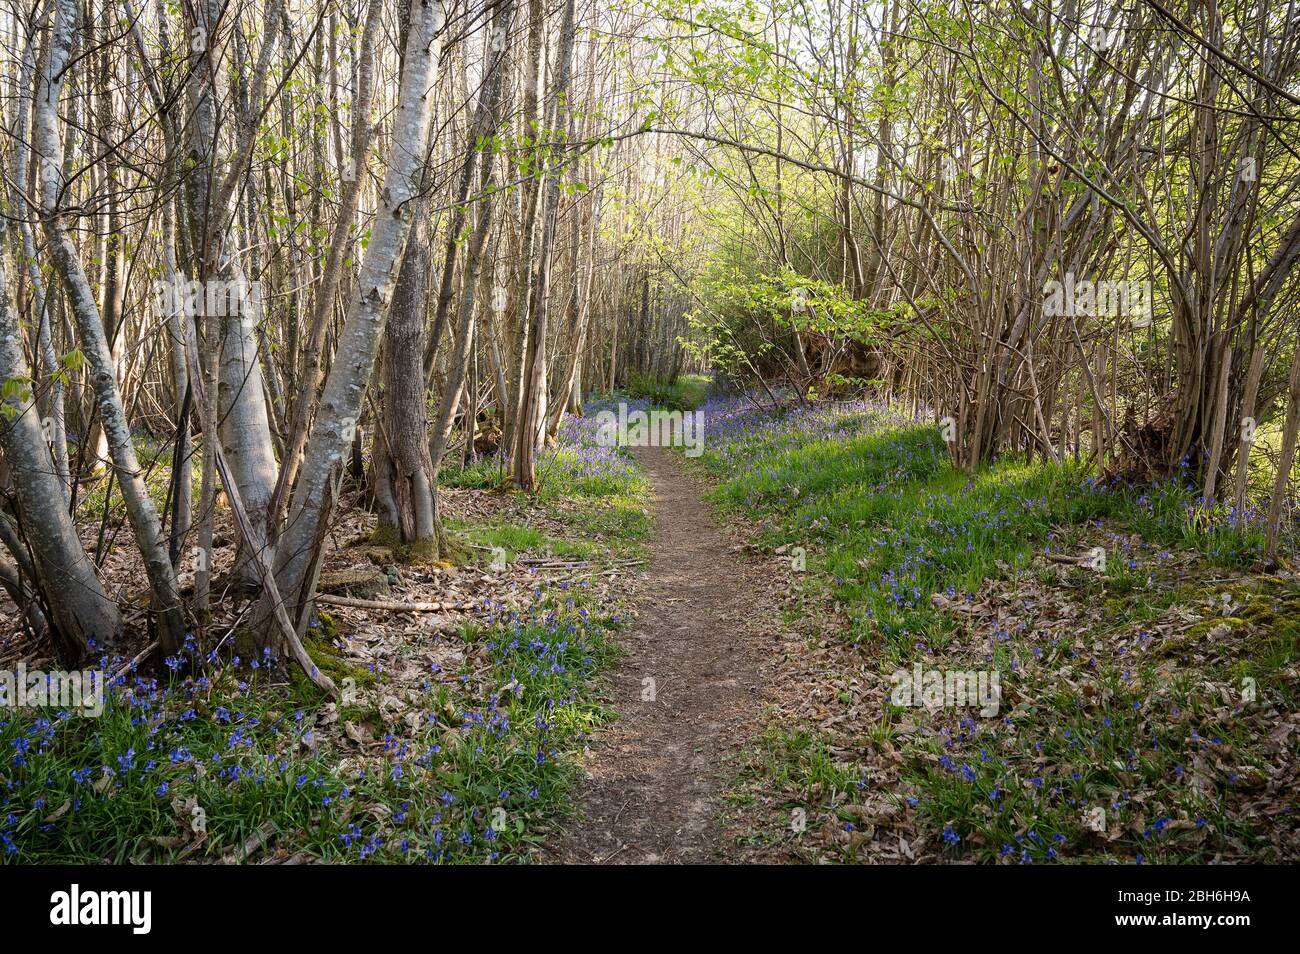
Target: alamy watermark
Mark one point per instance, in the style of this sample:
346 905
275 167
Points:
79 691
77 906
952 688
214 298
1098 299
654 428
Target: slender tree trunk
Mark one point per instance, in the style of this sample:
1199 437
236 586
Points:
47 358
80 610
1285 459
340 243
530 428
487 121
341 403
140 508
1247 431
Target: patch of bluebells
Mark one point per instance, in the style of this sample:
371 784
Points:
578 455
142 746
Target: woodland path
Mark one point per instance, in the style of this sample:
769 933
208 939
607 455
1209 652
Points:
655 778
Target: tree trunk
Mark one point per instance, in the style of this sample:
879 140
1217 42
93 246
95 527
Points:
530 428
140 507
487 121
244 426
1286 458
341 403
403 471
341 242
80 610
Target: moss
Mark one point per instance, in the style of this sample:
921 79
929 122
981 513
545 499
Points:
333 663
1202 629
326 627
455 552
440 550
364 582
379 556
328 657
1266 603
420 552
1263 611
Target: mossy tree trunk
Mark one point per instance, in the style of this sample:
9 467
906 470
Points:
403 471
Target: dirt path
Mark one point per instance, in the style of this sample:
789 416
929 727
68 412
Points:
656 776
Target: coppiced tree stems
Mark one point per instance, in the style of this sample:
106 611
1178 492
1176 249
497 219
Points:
480 159
531 417
332 274
140 508
613 197
334 428
81 612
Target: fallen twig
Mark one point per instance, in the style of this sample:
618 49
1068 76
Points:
252 844
390 605
139 658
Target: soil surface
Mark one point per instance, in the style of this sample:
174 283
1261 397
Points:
688 692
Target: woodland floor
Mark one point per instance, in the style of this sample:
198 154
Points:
656 779
754 718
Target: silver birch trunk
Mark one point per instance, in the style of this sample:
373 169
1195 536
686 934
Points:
56 429
245 428
141 511
335 425
80 610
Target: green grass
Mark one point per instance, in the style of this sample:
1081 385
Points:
887 521
491 748
483 474
1022 788
684 393
596 493
1125 708
469 765
576 466
516 540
